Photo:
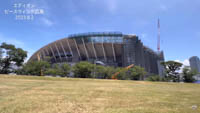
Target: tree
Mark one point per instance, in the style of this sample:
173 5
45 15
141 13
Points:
171 69
34 68
136 73
83 70
12 56
188 74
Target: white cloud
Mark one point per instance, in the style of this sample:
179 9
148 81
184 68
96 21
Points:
144 37
92 0
198 34
46 18
79 20
112 5
13 41
163 7
185 62
47 22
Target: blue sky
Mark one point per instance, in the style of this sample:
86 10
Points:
180 23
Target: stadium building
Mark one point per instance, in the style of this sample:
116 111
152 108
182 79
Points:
106 48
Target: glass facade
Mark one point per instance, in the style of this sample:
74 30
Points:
108 39
97 39
114 37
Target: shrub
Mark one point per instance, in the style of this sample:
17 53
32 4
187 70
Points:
59 70
122 75
34 68
109 71
83 70
154 78
99 72
136 73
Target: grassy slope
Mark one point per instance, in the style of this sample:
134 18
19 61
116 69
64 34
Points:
23 94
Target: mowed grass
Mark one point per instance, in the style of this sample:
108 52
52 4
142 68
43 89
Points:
26 94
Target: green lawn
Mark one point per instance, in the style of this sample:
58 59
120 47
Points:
25 94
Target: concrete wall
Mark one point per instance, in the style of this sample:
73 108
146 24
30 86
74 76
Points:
134 52
129 50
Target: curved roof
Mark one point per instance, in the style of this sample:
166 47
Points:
69 44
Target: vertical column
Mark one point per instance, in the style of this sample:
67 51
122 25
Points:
113 49
85 48
77 48
94 50
38 57
53 53
104 54
69 47
63 50
47 51
58 52
43 54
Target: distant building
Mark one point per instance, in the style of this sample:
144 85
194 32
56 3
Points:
195 63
